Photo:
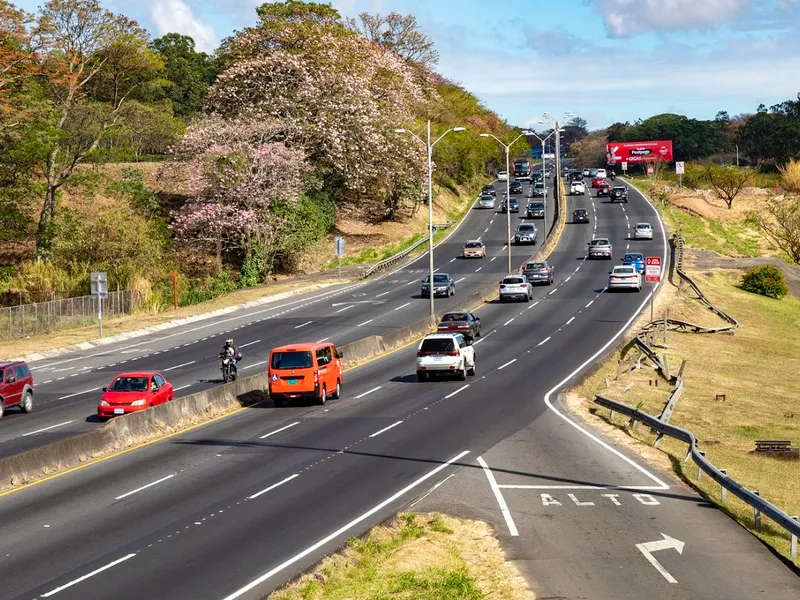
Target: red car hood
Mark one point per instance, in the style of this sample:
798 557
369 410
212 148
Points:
123 397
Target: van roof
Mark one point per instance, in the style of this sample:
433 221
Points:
303 347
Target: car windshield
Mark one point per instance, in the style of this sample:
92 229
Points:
129 384
580 211
634 257
292 359
623 270
537 204
599 242
486 198
434 345
536 266
512 280
525 228
450 317
643 226
474 245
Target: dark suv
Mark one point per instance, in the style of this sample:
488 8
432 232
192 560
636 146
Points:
603 190
515 187
16 387
580 215
619 192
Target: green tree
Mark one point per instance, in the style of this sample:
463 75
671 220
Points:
189 73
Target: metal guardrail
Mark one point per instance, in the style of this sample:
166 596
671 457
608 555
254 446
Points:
745 495
388 262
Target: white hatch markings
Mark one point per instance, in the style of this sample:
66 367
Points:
493 258
348 307
183 387
509 321
384 293
88 575
257 364
249 344
571 319
79 393
365 323
377 433
512 361
512 527
284 428
191 362
375 389
310 322
404 305
544 341
460 280
458 391
478 269
590 303
46 428
144 487
272 487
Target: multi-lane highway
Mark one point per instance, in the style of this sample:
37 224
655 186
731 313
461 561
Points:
238 507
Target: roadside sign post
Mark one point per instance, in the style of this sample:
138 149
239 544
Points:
338 246
650 169
679 170
624 167
652 274
99 287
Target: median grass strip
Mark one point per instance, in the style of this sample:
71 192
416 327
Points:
431 556
754 369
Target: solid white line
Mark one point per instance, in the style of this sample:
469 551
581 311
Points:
508 363
78 393
144 487
365 323
384 293
249 344
342 309
179 366
375 389
570 321
512 527
544 341
509 321
580 487
478 269
309 322
461 389
404 305
46 428
88 575
262 362
377 433
301 555
183 387
653 561
429 492
272 487
266 435
590 303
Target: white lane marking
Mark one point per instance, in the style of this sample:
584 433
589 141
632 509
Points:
429 492
493 258
183 387
144 487
88 575
404 305
377 433
544 341
79 393
323 340
508 363
628 247
452 260
571 319
46 428
492 221
410 282
512 486
512 527
259 363
375 389
461 389
535 303
266 435
504 247
344 528
365 323
590 303
553 292
179 366
348 307
478 269
486 230
509 321
272 487
567 279
384 293
460 280
249 344
310 322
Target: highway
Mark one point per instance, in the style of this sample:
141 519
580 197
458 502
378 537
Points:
238 507
68 388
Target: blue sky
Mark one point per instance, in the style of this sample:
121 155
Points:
604 60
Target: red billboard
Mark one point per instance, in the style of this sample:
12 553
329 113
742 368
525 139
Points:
635 152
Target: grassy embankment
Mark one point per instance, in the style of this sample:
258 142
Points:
430 556
752 368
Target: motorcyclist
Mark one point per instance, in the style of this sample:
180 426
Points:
613 175
232 352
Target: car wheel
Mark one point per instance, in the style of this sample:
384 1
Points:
278 401
528 298
422 376
323 397
338 393
27 403
2 409
471 371
462 373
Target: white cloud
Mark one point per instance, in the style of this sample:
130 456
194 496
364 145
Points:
624 18
175 16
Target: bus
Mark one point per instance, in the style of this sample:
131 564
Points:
522 168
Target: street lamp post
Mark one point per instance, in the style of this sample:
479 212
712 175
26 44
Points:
429 149
508 186
544 178
557 131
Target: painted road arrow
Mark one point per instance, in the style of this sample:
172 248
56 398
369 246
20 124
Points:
668 542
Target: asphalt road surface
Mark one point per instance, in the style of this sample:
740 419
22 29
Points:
238 507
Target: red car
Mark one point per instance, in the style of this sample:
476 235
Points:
16 387
132 392
597 181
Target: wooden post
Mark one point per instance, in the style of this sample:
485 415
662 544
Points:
680 371
666 321
666 367
619 368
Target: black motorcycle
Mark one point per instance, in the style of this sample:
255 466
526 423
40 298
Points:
228 368
613 176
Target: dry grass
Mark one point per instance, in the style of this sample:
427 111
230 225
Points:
430 556
790 176
60 339
754 369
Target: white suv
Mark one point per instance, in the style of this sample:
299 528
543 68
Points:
577 188
601 174
445 353
515 286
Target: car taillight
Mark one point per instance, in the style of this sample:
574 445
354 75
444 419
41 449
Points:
502 286
419 352
463 326
316 376
452 353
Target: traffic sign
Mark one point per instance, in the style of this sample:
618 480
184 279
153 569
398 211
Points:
679 168
650 169
98 282
338 245
652 269
624 165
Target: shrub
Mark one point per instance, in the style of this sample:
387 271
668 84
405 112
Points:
694 176
790 176
765 281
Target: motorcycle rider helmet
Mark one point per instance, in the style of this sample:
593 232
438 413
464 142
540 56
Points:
229 342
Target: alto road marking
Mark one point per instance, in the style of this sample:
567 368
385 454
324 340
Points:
46 428
272 487
179 366
266 435
144 487
375 389
377 433
88 575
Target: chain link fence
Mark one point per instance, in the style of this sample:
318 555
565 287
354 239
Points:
43 317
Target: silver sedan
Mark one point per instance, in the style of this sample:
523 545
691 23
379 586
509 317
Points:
643 231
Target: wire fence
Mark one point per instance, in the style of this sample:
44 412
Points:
44 317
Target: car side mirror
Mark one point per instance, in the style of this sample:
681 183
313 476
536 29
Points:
11 379
105 389
339 354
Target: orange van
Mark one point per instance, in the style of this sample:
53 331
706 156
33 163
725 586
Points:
305 371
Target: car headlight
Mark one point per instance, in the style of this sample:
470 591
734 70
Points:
139 402
104 403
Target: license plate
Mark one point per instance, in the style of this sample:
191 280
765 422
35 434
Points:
293 382
438 358
119 411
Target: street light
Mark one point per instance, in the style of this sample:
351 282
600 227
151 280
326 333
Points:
429 148
544 177
508 185
557 130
